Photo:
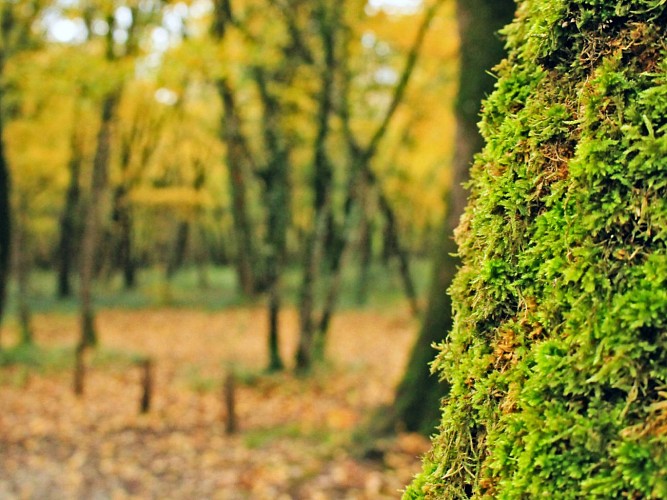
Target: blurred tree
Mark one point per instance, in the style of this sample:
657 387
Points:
16 20
141 127
327 19
417 403
119 50
277 188
313 331
22 264
93 220
240 160
70 216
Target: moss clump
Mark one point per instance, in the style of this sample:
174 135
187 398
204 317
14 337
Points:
558 356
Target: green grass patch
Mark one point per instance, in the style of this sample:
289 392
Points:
36 357
258 438
185 289
115 358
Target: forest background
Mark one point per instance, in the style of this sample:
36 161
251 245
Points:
217 179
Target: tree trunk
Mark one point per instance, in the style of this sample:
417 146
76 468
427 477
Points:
313 262
275 360
365 249
122 220
239 158
179 248
417 403
400 252
236 152
69 219
5 214
93 220
416 407
322 187
277 189
22 263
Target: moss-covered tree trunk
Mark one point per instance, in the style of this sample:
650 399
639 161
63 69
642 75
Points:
558 356
417 403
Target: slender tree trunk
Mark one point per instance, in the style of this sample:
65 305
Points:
202 261
278 217
93 220
401 253
126 253
22 268
323 173
122 219
200 249
238 156
275 360
322 186
5 214
69 219
329 307
313 262
245 252
417 403
179 248
365 262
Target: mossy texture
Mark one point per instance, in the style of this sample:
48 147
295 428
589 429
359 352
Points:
558 357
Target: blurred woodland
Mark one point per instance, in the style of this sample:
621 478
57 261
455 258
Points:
267 136
225 212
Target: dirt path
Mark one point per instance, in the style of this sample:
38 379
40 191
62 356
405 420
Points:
292 442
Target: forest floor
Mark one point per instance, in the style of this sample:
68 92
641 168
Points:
295 433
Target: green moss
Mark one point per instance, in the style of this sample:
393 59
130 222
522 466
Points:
558 357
